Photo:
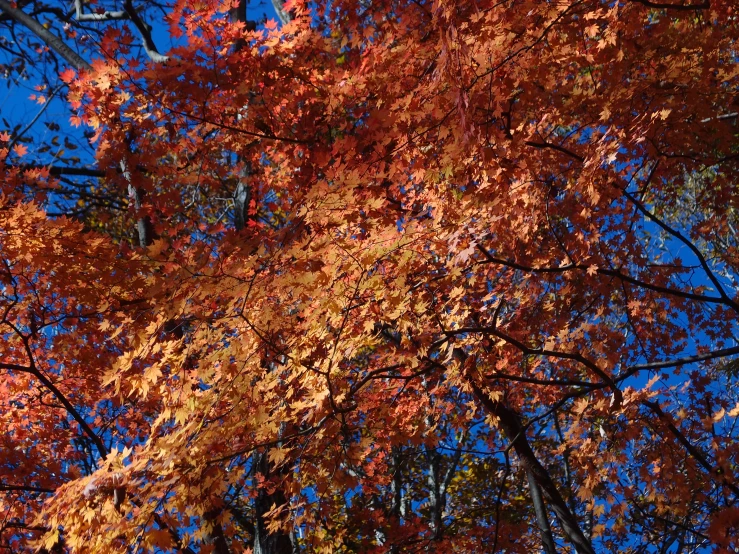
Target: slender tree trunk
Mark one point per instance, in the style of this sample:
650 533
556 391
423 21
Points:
265 542
434 491
241 198
547 540
217 537
396 486
143 223
510 423
243 194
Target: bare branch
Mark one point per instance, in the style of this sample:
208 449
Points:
77 171
540 509
143 225
732 115
145 32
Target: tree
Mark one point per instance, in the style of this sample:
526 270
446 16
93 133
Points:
395 276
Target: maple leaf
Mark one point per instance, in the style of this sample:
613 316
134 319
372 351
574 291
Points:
67 75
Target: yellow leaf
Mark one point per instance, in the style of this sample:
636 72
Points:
50 540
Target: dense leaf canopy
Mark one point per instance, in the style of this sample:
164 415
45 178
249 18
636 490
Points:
390 276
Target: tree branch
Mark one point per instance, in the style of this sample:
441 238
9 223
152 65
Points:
511 425
105 16
547 540
143 225
282 15
34 120
145 32
556 147
24 488
51 40
608 272
692 450
684 7
724 352
71 410
574 356
76 171
682 238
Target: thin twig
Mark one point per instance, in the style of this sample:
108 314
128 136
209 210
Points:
33 121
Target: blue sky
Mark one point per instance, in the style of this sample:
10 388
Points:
21 110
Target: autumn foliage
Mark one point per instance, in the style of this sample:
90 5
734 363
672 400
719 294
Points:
390 276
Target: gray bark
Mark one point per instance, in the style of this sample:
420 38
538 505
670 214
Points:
242 197
51 40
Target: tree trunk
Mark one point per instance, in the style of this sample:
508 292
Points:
547 540
510 423
278 542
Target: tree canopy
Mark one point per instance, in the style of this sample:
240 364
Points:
392 276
